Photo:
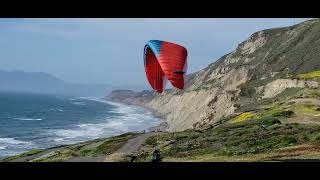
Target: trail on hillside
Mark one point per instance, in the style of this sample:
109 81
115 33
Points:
127 149
35 156
86 159
130 147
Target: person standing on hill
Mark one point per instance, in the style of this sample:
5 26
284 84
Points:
156 155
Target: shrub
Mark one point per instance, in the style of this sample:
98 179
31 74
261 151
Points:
310 75
288 113
242 117
269 121
289 140
316 137
151 141
247 91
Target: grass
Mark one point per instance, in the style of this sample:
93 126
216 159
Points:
110 145
313 75
251 136
275 111
307 108
242 117
56 156
251 104
25 154
245 138
94 148
297 152
310 75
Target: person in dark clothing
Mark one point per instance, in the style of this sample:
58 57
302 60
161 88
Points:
133 158
156 155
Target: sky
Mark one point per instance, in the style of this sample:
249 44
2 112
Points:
110 51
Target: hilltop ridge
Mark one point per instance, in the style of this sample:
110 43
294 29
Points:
259 69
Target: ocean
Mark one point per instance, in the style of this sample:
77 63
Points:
29 121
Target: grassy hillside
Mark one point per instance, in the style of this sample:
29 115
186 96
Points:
274 131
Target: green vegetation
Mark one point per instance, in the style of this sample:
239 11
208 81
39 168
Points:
247 91
313 75
253 135
109 146
310 75
25 154
242 117
277 110
244 138
94 148
245 104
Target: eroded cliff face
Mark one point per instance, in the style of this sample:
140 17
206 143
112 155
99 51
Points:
261 67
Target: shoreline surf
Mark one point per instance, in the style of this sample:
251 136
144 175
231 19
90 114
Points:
127 118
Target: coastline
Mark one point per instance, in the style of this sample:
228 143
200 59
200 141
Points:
34 154
162 127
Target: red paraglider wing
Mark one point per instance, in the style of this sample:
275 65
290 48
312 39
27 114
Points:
165 61
154 72
172 59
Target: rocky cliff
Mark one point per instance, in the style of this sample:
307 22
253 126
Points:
256 72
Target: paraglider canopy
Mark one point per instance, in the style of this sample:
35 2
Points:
165 61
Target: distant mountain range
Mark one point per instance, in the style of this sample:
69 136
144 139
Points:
44 83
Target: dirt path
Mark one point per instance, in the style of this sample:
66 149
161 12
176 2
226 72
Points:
35 156
130 147
306 101
86 159
133 144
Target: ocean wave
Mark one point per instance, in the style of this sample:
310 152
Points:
126 118
97 99
11 146
53 109
135 117
89 130
28 119
13 141
119 107
132 118
79 103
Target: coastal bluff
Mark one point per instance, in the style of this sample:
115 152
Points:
258 70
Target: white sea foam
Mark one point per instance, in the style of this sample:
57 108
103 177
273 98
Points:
129 118
79 103
13 141
11 146
28 119
94 99
53 109
85 131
